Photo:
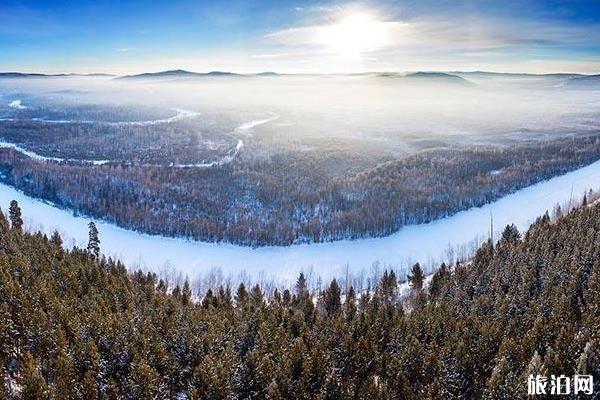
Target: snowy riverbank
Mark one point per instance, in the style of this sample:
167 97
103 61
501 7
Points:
426 243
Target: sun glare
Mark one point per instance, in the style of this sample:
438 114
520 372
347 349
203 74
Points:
354 35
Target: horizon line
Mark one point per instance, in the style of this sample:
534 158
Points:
451 71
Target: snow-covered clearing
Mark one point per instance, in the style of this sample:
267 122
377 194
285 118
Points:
426 243
16 104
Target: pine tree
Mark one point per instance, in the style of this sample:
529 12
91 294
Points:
301 287
438 280
510 234
256 296
15 215
350 304
186 293
34 385
589 360
331 299
64 374
55 239
416 277
536 366
241 296
93 246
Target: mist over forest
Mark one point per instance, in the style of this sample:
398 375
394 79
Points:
274 159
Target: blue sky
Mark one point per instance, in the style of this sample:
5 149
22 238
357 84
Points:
299 36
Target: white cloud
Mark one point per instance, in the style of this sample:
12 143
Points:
432 42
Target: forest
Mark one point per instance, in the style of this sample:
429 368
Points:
278 160
75 325
290 197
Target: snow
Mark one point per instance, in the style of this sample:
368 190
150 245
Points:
248 126
40 157
180 114
425 243
222 161
244 128
17 105
232 154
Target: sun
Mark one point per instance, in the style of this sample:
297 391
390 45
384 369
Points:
354 35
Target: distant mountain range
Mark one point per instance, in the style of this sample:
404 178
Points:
436 77
584 81
483 74
572 80
38 75
179 73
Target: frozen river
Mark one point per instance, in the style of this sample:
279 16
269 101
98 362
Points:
426 243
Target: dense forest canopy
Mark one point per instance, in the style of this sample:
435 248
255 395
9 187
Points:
76 325
291 198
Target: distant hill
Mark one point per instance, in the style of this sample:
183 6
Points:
20 75
584 82
424 77
39 75
436 76
98 74
487 74
179 73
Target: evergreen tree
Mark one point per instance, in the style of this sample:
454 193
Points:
93 246
416 277
301 287
350 304
439 280
186 293
331 299
56 239
241 295
15 216
510 234
33 384
71 329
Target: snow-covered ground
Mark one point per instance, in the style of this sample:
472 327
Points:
426 243
222 161
245 127
31 154
16 104
181 114
249 126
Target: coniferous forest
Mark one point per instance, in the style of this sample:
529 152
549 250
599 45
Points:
298 200
287 198
75 325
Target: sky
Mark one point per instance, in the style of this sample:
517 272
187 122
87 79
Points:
124 37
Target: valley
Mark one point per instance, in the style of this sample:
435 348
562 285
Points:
449 239
286 160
